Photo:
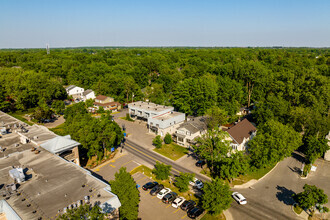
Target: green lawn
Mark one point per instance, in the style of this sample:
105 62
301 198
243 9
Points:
297 209
251 175
172 151
59 130
208 216
20 117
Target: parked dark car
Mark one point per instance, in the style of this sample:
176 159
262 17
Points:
169 197
156 189
149 185
188 205
195 212
200 163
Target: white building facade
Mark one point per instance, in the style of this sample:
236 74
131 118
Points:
161 119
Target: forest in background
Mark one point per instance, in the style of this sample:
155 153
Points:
287 85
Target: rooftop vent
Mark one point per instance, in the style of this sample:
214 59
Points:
35 138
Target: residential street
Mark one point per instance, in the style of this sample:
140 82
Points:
270 198
151 158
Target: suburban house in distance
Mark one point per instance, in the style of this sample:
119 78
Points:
107 103
241 133
74 91
88 94
160 119
187 132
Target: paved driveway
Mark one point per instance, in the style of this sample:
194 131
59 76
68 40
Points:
270 198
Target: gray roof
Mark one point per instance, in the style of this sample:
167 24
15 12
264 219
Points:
69 87
60 144
87 92
195 124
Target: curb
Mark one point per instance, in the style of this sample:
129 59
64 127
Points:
299 215
253 181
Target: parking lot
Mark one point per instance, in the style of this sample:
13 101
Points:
108 169
153 208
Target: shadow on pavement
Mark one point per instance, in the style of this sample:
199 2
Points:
285 195
295 170
298 157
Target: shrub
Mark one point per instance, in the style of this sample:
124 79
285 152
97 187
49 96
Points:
168 138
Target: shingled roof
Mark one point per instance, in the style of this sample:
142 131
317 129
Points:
195 125
241 130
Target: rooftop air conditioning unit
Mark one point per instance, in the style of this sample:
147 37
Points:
35 138
17 174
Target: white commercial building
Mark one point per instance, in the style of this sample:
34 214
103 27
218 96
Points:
161 119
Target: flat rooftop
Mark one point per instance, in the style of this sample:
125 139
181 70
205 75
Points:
149 106
52 184
167 116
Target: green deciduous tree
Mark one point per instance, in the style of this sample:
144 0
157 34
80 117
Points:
168 138
216 117
58 106
314 148
124 187
233 166
157 141
310 197
182 181
213 147
162 171
83 212
216 197
273 142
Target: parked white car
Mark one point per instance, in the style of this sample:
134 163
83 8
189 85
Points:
197 183
239 198
178 202
163 192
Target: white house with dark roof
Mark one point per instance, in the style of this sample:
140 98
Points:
74 91
187 132
241 133
88 94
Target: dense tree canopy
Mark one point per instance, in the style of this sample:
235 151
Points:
288 85
273 142
124 187
216 197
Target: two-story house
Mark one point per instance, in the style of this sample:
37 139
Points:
240 134
187 132
107 103
74 91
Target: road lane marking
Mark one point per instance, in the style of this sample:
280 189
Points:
141 179
183 216
114 160
126 163
149 156
176 210
168 205
112 165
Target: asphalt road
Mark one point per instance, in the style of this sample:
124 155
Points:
152 158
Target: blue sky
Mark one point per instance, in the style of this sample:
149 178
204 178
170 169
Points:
73 23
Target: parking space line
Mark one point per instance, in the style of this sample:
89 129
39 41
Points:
168 205
141 179
183 216
160 201
153 197
176 211
112 165
147 192
114 160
